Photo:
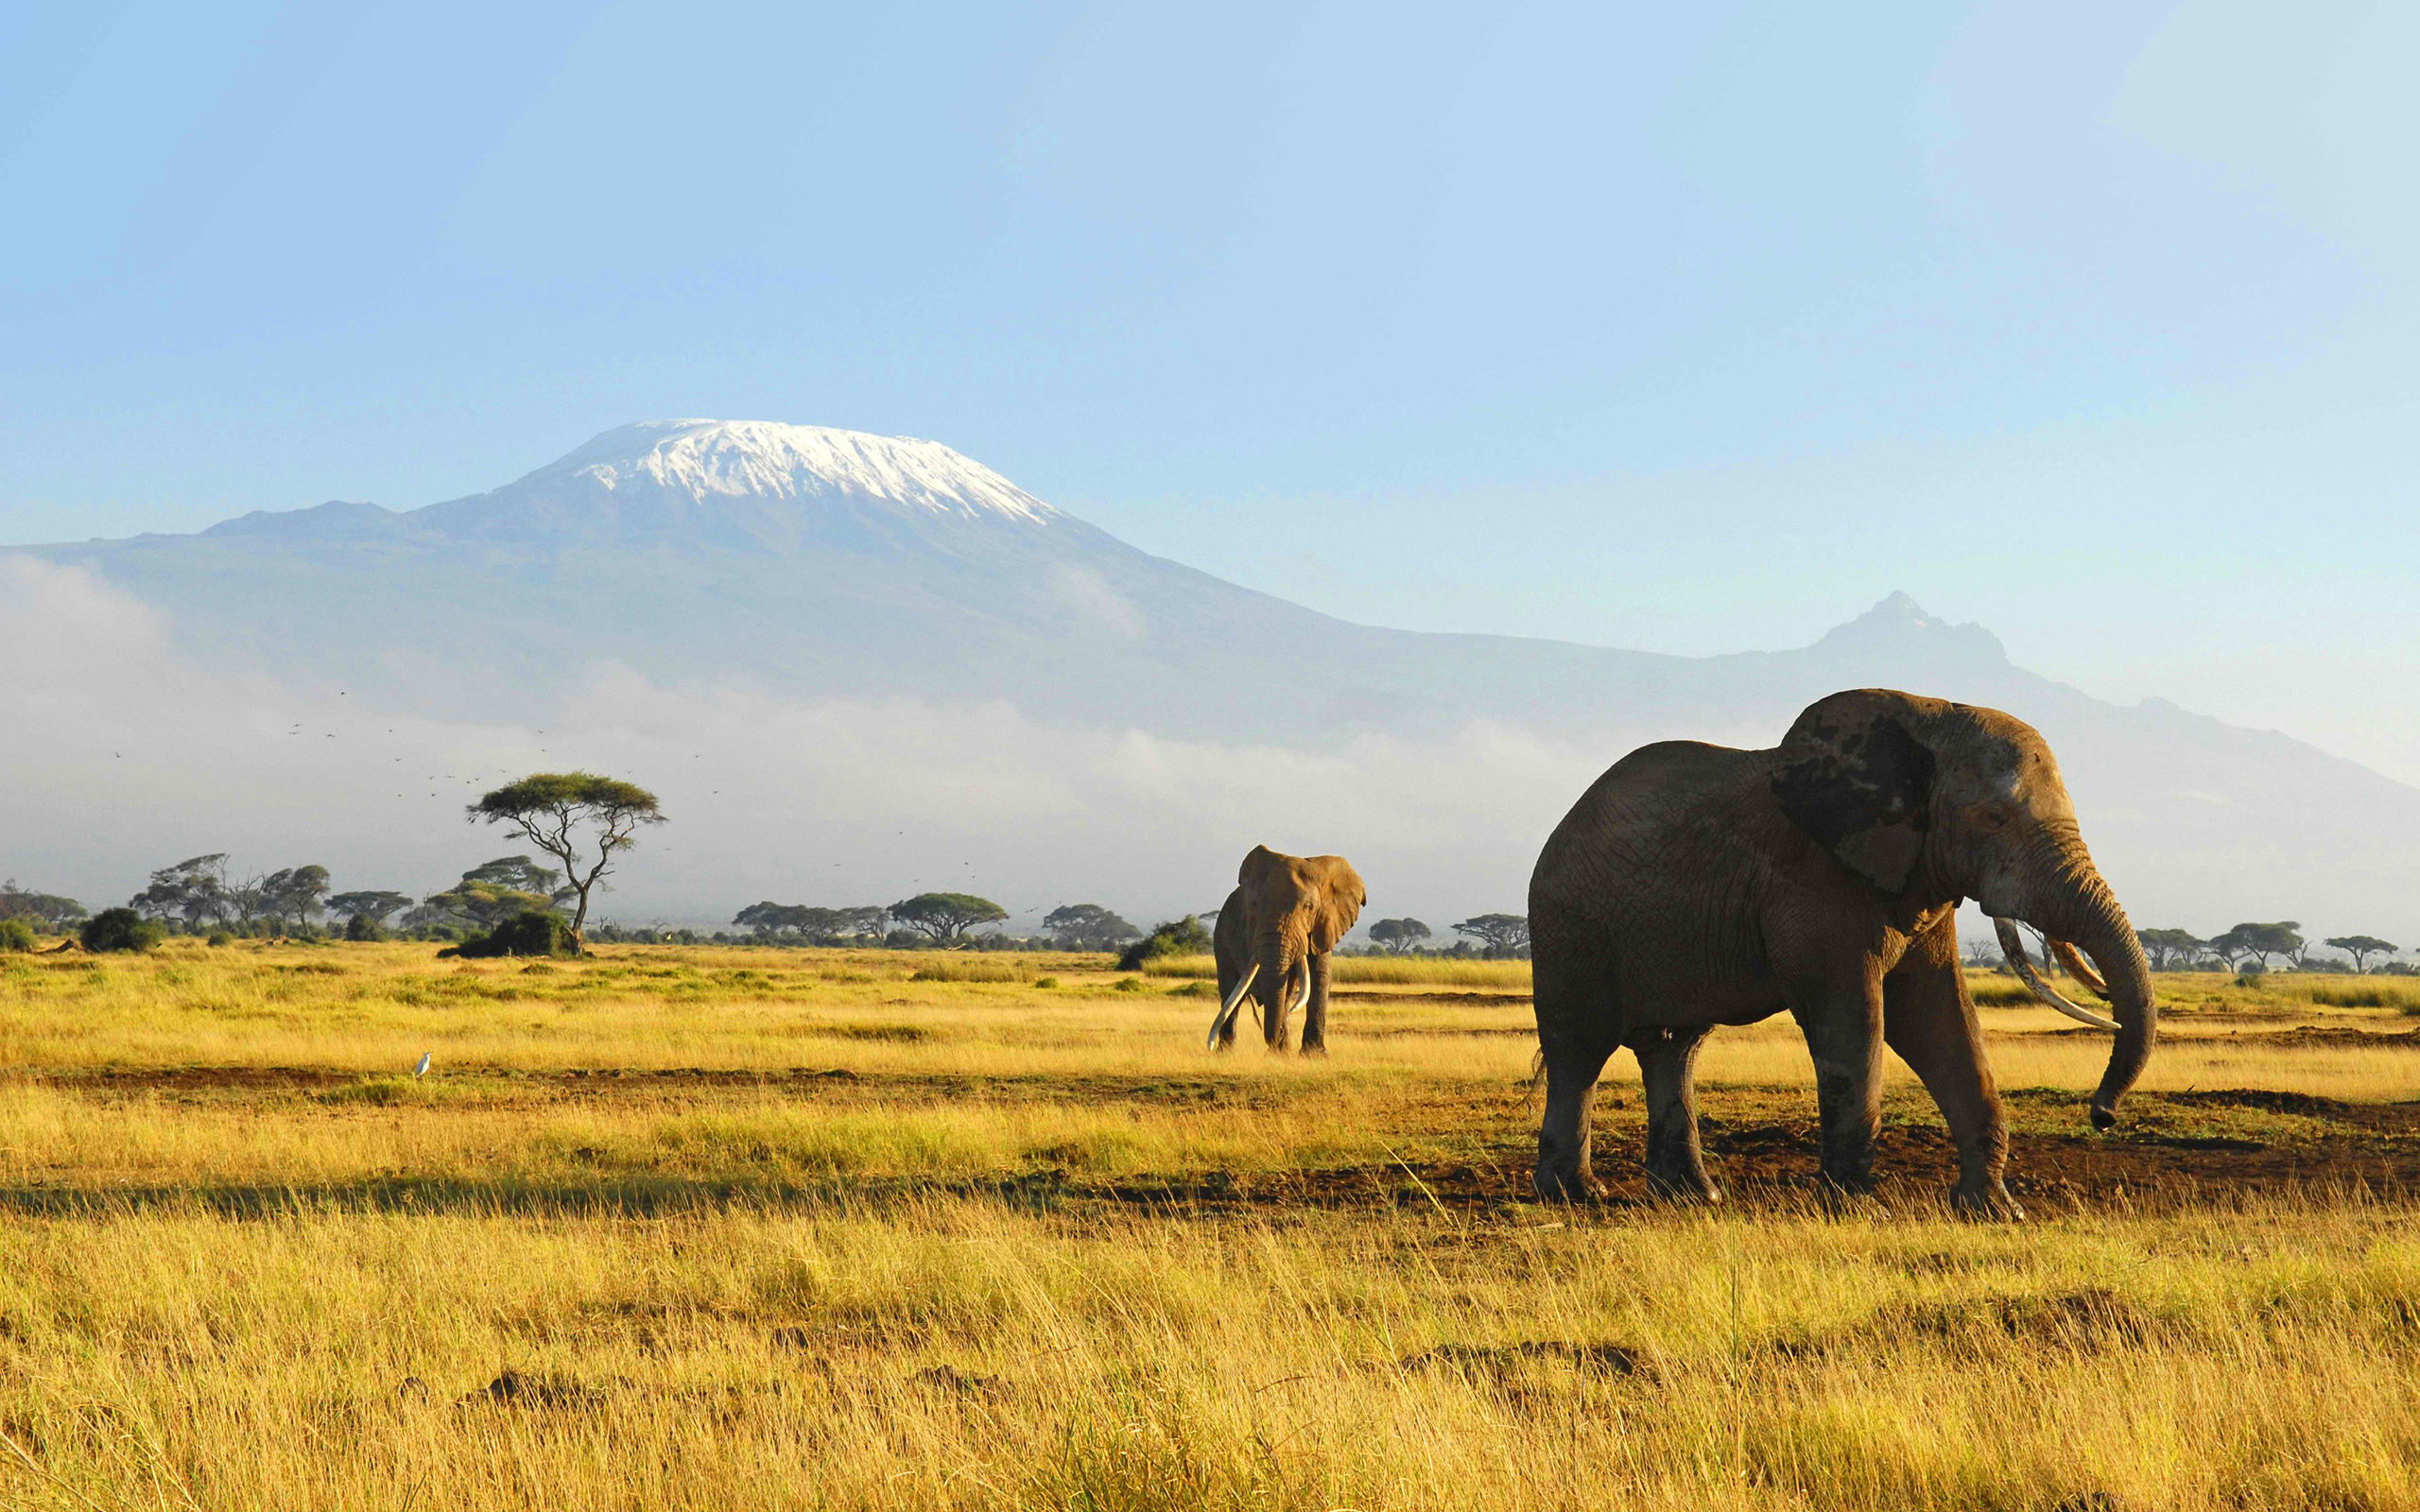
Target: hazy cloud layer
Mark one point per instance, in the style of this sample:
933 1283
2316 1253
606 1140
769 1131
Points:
121 754
137 758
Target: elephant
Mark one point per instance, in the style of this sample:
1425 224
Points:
1276 930
1694 885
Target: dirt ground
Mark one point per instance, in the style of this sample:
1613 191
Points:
2212 1147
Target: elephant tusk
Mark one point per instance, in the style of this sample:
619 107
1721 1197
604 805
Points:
1227 1009
2081 969
2012 946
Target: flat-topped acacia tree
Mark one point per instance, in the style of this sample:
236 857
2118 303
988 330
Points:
568 814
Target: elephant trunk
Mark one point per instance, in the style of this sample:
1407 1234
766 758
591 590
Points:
1282 952
2070 902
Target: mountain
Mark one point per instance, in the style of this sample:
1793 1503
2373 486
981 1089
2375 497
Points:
833 564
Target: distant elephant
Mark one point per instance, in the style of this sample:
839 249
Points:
1272 941
1695 885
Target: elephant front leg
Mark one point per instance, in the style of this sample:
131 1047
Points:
1844 1033
1315 1012
1668 1061
1928 1020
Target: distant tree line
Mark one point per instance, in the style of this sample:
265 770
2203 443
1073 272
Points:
1486 937
2249 947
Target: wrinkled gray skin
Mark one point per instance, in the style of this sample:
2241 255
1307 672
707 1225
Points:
1284 916
1695 885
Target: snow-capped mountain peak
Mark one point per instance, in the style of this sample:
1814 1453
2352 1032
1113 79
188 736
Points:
770 459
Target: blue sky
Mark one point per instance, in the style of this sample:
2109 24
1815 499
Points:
1688 328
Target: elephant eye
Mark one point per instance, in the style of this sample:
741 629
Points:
1992 818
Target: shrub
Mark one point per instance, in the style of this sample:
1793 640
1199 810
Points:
964 972
121 929
16 936
363 927
1178 937
1045 981
1129 983
531 931
2380 996
219 936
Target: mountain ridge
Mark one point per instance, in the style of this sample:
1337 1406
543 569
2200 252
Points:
827 564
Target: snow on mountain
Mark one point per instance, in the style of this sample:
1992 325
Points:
702 457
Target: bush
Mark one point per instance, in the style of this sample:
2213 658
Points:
16 936
363 927
121 929
972 971
219 936
1178 937
531 931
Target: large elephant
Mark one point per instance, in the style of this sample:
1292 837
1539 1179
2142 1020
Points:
1272 941
1695 885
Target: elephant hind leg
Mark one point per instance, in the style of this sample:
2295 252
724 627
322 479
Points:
1668 1061
1579 1027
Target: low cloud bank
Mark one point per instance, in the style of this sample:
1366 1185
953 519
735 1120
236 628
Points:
126 755
118 754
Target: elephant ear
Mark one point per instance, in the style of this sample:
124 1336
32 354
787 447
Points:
1257 860
1851 776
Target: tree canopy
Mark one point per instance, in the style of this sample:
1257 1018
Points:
1498 934
2259 941
1087 927
293 893
47 909
811 926
568 816
194 890
945 916
2170 947
376 907
2361 947
1398 934
200 890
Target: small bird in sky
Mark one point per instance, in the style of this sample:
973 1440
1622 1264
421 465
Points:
422 1070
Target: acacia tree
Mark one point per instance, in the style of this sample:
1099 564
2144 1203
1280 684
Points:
2258 942
2361 947
47 909
195 890
1087 927
1398 934
293 893
1499 933
376 904
569 815
945 916
2165 945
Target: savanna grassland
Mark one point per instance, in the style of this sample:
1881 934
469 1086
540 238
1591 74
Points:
668 1227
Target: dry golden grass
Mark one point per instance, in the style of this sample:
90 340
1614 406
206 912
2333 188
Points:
958 1353
891 1254
1424 971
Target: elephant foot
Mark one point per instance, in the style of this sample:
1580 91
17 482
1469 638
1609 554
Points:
1984 1201
1684 1186
1846 1196
1315 1047
1565 1186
